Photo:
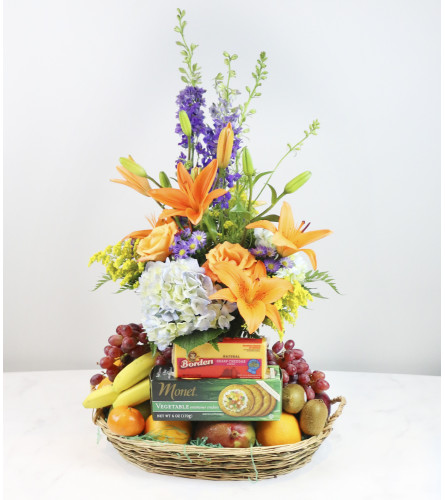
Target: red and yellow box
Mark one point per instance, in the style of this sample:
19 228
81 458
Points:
236 358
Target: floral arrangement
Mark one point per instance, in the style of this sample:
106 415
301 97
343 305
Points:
216 261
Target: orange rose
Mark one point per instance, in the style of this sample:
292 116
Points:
229 252
156 246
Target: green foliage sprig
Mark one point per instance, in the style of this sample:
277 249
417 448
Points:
191 73
259 75
313 127
312 276
222 88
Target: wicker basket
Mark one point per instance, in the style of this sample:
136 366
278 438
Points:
218 464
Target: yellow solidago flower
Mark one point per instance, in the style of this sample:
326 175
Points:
120 262
288 304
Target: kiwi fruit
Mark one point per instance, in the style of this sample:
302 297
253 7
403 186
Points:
293 398
313 417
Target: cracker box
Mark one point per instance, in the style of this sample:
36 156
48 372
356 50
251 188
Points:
215 399
235 358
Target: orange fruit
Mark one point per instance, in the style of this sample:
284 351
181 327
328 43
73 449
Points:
275 432
105 381
171 431
125 421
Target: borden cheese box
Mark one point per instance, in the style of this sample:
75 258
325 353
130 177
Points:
215 399
236 358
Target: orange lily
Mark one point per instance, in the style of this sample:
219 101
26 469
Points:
225 146
290 239
193 197
143 233
136 182
253 295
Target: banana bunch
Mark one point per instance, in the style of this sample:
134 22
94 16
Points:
130 387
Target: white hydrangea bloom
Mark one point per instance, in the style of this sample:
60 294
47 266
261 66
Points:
175 301
298 271
263 237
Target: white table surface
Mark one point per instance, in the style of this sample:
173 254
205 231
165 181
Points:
385 445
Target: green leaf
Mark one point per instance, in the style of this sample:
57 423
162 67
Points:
274 194
258 177
211 227
195 339
271 218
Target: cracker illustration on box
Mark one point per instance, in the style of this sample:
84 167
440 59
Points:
246 401
236 400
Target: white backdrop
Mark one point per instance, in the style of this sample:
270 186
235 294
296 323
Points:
89 81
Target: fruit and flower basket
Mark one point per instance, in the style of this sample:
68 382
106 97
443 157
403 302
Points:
193 389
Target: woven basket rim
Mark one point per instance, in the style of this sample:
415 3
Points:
99 420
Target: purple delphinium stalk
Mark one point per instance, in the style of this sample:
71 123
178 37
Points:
191 101
232 178
272 265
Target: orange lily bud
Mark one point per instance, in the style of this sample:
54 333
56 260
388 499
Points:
225 145
133 167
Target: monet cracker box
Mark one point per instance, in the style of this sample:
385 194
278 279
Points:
234 358
215 399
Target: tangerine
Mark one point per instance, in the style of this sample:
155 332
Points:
276 432
105 381
125 421
171 431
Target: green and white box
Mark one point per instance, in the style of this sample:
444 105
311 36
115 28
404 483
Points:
215 399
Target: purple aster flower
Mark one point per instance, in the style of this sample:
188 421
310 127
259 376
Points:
286 262
272 265
200 238
270 252
185 233
260 251
181 250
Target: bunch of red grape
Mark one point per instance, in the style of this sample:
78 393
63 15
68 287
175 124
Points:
295 370
165 357
129 342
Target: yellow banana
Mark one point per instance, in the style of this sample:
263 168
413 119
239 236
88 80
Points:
100 397
133 373
134 395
